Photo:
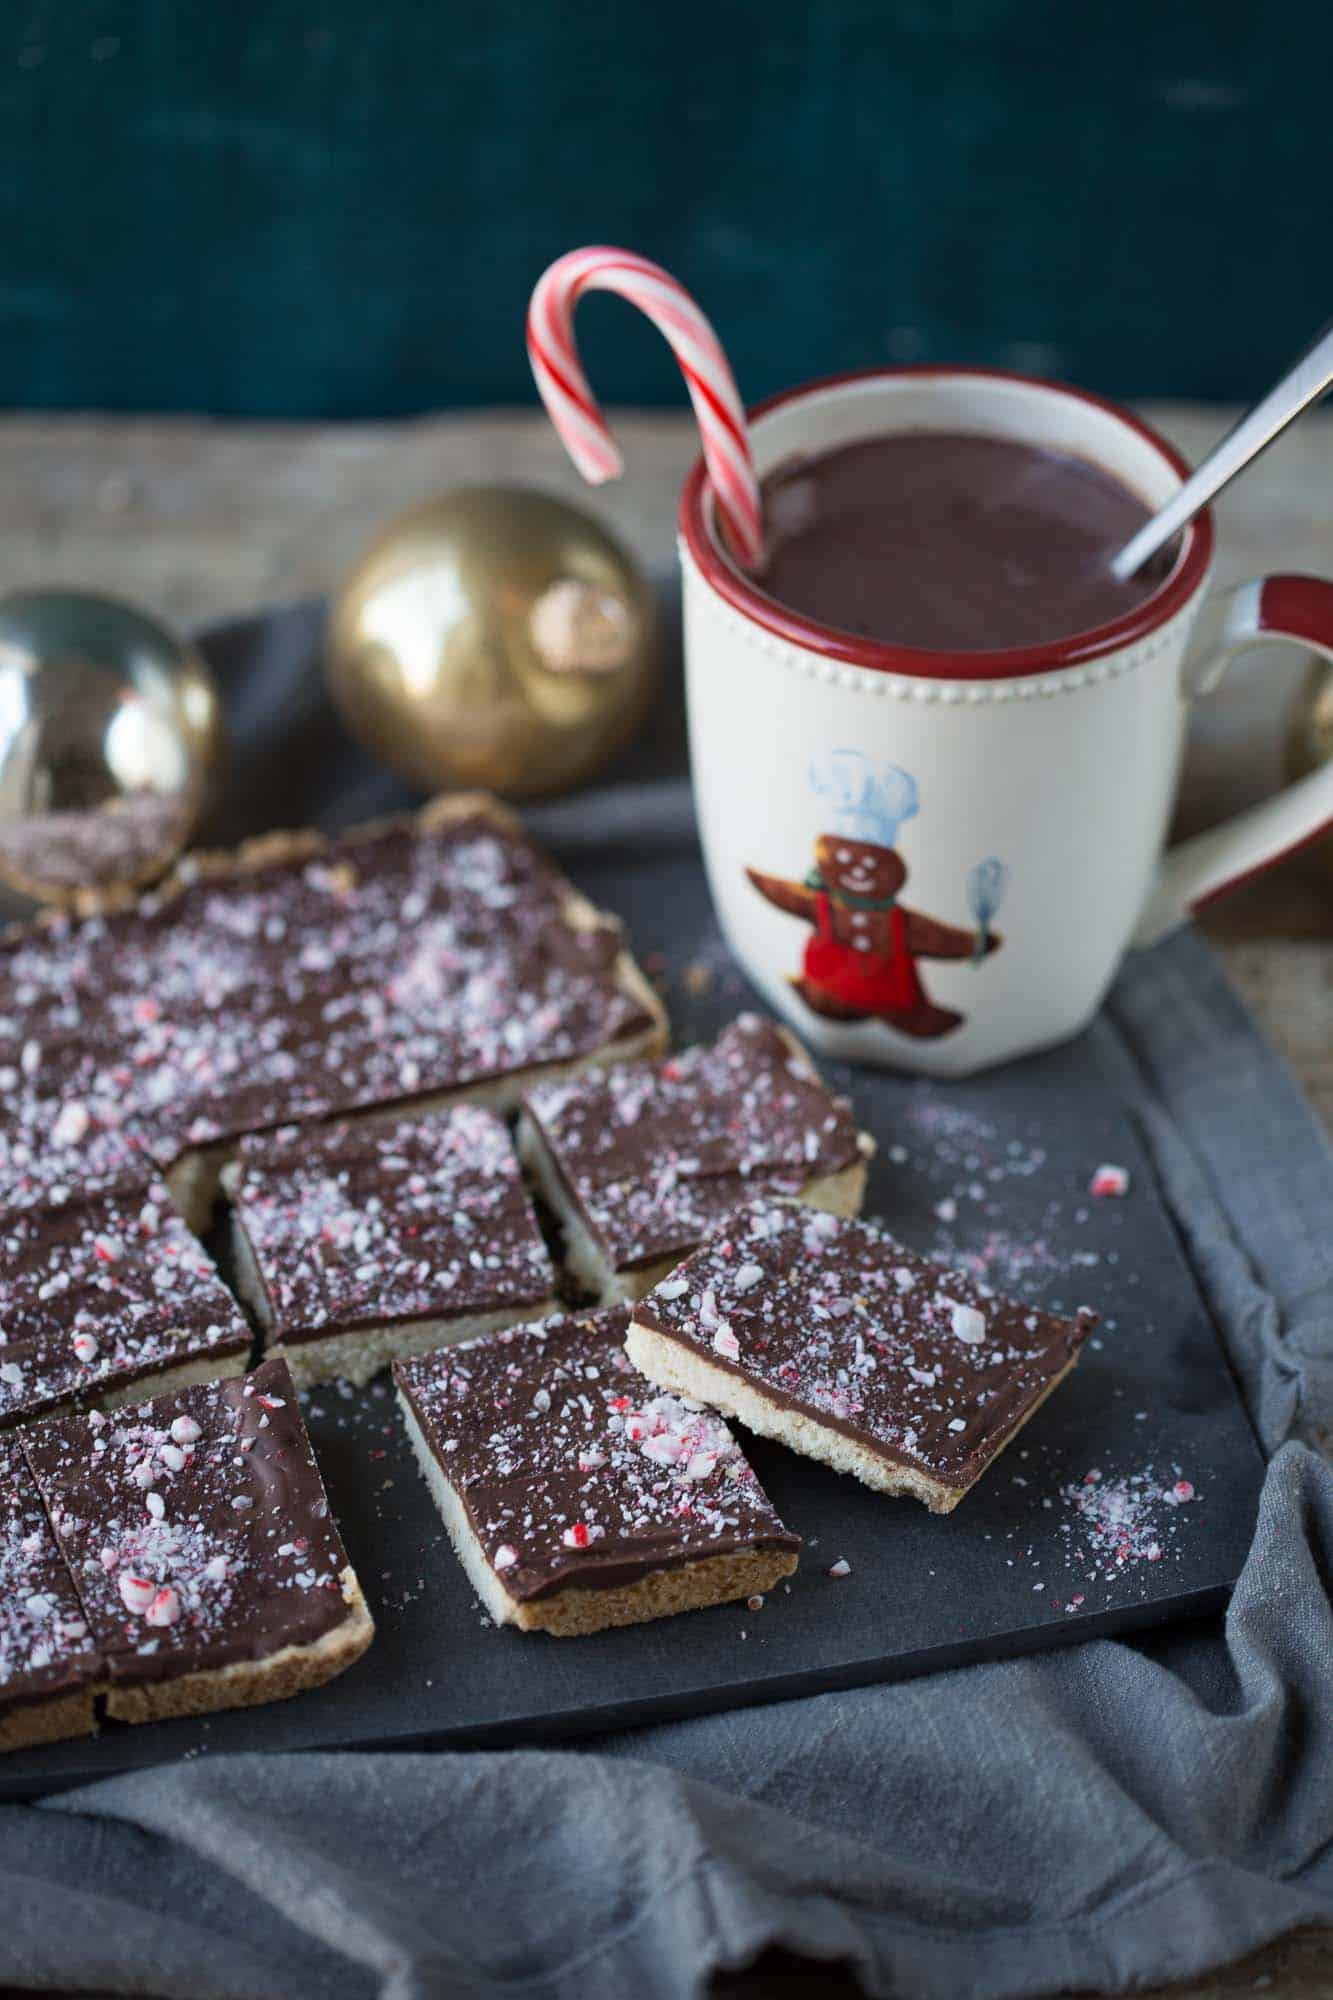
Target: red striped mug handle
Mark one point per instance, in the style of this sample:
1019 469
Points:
1295 610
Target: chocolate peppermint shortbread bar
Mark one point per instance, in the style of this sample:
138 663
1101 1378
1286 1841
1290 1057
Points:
49 1665
108 1295
299 979
199 1539
362 1241
641 1161
830 1336
577 1496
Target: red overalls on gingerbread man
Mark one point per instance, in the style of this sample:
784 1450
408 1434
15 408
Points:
871 983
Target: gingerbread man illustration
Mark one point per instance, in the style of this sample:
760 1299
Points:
860 964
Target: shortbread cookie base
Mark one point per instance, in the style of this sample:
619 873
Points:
693 1586
202 1368
248 1683
840 1194
249 1280
192 1182
568 1614
35 1722
584 1257
360 1354
672 1365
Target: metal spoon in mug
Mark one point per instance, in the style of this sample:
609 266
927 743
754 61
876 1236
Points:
1303 384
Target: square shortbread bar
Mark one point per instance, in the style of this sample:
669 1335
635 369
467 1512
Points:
830 1336
361 1242
641 1161
199 1539
575 1495
108 1295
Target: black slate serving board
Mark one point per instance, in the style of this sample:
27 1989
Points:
996 1168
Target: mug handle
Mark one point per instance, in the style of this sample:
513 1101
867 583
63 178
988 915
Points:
1296 610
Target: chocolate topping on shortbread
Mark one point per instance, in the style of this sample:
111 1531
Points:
196 1528
572 1469
655 1154
364 1224
383 967
916 1362
101 1292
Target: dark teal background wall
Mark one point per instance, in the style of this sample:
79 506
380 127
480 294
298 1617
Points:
293 210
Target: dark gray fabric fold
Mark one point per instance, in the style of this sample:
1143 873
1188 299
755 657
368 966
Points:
1100 1818
1249 1172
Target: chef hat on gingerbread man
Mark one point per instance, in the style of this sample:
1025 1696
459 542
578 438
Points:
869 800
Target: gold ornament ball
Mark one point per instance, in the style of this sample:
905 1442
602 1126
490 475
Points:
494 637
110 729
1310 735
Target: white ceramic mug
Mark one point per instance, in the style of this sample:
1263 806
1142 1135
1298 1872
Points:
936 861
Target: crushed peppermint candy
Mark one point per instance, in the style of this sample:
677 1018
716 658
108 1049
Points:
1113 1523
165 1608
726 1343
136 1592
71 1124
989 1167
967 1323
1109 1180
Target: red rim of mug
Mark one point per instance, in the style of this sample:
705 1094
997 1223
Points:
1012 663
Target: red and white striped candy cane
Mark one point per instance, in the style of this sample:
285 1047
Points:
573 407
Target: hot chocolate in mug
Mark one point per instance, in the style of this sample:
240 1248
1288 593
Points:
935 861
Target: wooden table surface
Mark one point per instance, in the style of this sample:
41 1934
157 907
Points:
199 520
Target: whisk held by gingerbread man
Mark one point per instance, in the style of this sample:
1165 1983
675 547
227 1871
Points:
860 964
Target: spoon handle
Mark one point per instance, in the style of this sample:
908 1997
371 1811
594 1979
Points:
1303 384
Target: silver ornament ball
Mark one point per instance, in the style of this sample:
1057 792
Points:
109 733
